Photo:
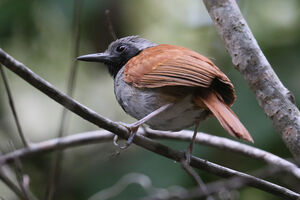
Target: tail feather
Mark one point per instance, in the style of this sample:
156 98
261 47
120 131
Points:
225 115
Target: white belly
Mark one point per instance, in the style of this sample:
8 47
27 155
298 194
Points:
140 102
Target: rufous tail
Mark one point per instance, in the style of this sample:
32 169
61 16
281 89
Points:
225 115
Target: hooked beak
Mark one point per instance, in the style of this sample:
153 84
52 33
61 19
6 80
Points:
95 57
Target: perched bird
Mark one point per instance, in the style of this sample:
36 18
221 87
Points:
168 87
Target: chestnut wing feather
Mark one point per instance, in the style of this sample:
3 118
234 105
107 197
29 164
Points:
169 65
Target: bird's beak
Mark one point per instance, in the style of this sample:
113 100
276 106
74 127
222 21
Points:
96 57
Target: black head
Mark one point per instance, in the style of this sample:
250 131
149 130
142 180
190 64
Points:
119 52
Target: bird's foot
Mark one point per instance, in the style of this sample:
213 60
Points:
188 155
132 129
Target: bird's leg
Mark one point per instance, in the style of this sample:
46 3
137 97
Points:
133 128
188 152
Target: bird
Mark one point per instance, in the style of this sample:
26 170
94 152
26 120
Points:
168 87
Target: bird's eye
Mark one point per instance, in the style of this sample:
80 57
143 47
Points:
121 48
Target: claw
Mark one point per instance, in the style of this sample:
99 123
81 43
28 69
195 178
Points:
115 140
132 129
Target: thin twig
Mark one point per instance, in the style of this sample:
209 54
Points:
20 178
10 184
12 107
202 187
137 178
139 140
19 192
92 137
235 183
216 187
105 136
277 101
110 25
55 170
230 145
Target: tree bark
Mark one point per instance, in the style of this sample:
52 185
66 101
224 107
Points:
277 101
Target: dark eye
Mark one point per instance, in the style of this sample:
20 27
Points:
121 48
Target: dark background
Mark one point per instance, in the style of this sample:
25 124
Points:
40 34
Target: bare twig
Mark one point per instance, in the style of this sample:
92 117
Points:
216 187
20 178
102 136
231 145
110 25
233 183
55 170
137 178
202 187
140 140
277 101
23 195
58 144
54 176
11 185
12 107
202 138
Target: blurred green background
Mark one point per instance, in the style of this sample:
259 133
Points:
40 34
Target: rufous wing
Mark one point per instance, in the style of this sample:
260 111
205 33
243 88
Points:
169 65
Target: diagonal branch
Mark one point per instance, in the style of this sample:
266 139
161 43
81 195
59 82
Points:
276 101
139 140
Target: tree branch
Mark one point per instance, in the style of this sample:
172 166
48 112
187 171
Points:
213 188
230 184
276 101
140 140
92 137
230 145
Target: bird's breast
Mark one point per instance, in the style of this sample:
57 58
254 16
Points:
139 102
